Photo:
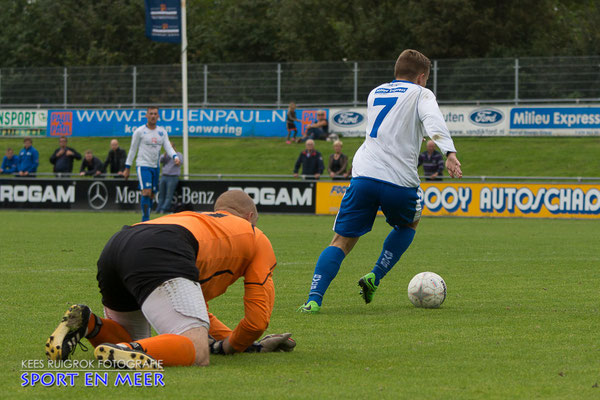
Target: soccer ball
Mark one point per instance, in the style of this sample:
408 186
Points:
427 290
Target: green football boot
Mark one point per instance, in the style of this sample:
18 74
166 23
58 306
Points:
310 307
367 287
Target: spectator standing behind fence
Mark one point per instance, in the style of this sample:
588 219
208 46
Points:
168 180
91 165
433 163
318 130
290 122
29 159
63 157
115 159
338 162
10 163
311 161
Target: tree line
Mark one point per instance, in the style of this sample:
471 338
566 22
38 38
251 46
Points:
106 32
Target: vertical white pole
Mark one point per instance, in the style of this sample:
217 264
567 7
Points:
65 75
516 81
184 89
435 71
278 85
355 102
134 76
205 85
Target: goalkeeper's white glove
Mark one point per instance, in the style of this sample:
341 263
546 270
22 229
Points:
272 343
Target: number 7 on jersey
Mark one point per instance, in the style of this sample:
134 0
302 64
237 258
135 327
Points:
387 103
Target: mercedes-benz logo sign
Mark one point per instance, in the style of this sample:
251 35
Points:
97 195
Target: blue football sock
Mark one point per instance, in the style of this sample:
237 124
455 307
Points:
327 268
146 205
394 246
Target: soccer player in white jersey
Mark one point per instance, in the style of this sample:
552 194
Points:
384 175
147 141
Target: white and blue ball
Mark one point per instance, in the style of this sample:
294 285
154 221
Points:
427 290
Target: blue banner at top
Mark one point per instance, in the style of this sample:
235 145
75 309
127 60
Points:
163 20
202 122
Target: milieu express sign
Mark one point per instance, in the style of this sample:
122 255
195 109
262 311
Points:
114 194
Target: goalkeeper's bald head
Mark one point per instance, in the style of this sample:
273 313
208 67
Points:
237 203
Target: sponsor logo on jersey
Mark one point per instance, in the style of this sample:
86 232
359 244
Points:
486 116
348 118
391 90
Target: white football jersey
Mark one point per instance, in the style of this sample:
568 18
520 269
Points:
146 143
399 114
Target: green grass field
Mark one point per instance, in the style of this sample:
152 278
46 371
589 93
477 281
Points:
502 156
520 321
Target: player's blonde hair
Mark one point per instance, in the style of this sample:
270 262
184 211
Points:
410 64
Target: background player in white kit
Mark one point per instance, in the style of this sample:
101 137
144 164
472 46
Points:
147 141
384 174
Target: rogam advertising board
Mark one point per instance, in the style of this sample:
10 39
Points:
539 200
116 194
202 122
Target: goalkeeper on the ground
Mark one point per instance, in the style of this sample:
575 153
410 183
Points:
161 274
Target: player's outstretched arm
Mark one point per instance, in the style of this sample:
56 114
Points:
258 304
259 299
453 166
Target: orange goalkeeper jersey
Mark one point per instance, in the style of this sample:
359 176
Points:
229 247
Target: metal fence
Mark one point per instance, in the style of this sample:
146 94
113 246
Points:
455 81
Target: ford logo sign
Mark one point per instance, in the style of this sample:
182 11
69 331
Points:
348 118
486 116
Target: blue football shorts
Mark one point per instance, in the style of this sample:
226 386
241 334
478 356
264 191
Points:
365 196
148 178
